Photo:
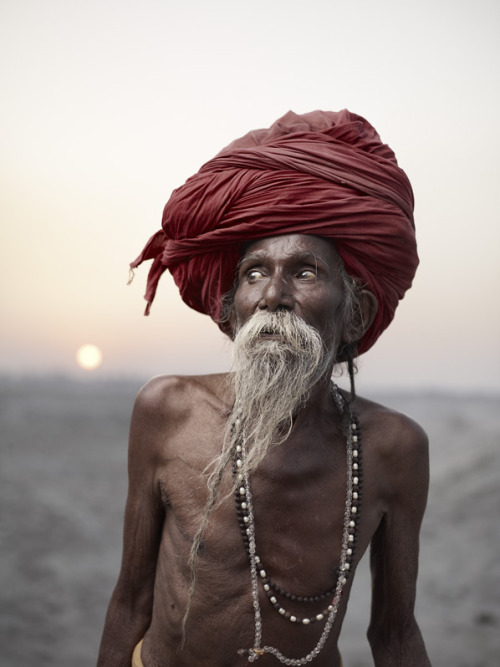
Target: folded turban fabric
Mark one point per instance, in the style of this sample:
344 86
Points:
322 173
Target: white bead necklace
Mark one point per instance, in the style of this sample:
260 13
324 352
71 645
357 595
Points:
258 573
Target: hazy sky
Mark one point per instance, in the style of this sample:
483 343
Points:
108 106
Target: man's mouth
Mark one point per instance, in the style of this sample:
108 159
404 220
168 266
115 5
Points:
269 334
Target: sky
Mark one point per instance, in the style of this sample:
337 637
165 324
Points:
108 106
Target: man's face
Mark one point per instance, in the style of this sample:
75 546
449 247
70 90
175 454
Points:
293 272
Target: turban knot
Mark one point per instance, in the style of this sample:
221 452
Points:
322 173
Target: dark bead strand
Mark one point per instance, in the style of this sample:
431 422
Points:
357 445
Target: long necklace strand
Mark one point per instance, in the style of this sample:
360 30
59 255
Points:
351 518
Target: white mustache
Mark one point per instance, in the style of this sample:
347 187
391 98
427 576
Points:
284 324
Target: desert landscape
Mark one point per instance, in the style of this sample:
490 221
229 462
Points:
63 486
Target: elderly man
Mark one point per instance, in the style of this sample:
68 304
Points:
254 494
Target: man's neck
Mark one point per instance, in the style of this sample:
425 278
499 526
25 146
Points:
320 404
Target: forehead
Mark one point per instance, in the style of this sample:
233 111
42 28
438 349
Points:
292 245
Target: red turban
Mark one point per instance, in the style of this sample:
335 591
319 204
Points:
322 173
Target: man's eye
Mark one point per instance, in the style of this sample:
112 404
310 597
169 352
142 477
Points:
254 274
307 274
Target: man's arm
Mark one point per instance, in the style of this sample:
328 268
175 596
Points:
130 608
393 634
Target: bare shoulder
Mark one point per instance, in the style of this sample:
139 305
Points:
169 409
396 445
391 431
176 396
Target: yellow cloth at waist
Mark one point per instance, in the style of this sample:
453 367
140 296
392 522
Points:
136 656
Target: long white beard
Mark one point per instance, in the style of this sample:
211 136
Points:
272 378
278 361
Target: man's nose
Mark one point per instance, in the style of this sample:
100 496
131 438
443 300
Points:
276 295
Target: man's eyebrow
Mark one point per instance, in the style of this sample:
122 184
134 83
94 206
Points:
252 257
301 256
307 256
311 258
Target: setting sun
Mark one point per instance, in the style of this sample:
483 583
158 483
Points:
89 357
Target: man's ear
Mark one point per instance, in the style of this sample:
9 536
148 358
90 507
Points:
368 307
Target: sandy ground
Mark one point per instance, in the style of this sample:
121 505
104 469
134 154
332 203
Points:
62 492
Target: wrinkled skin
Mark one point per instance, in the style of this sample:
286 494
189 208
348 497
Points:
299 495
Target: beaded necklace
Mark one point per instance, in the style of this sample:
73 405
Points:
244 509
